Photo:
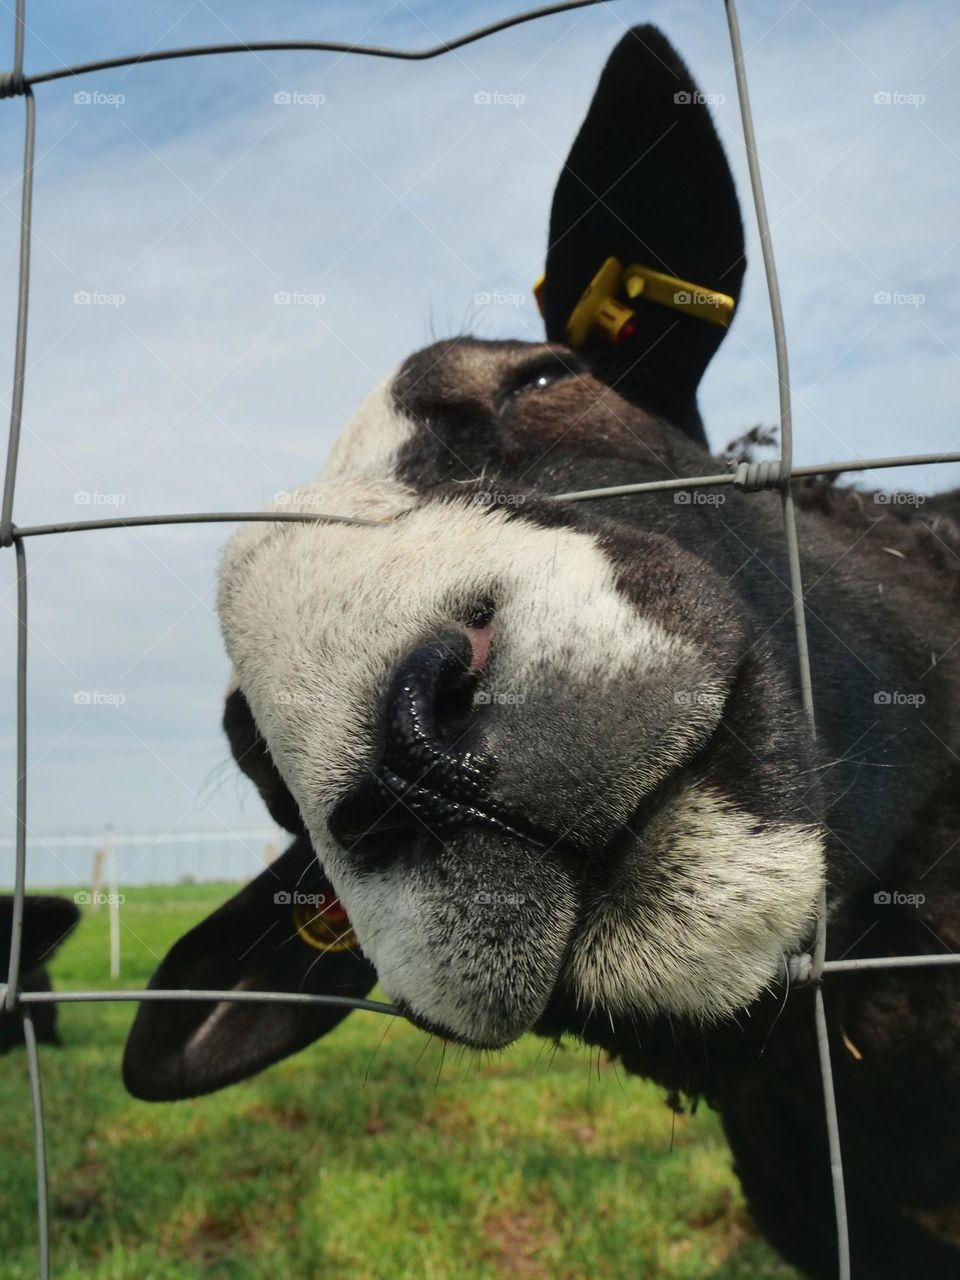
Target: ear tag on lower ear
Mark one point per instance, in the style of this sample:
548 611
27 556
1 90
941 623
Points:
682 295
324 928
599 309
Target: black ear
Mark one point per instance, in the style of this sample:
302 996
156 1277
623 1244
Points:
47 920
251 754
647 183
284 932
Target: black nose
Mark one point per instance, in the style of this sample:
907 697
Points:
428 716
434 767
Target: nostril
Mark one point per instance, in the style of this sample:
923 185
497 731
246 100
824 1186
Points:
479 624
480 638
430 702
454 708
433 770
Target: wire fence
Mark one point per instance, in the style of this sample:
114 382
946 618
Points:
749 477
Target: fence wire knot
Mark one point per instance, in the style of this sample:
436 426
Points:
13 84
752 477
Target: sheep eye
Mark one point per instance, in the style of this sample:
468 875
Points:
540 381
539 375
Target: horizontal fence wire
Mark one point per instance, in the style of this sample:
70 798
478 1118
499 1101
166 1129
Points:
223 997
581 495
313 46
776 475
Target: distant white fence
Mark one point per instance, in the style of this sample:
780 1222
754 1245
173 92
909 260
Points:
88 859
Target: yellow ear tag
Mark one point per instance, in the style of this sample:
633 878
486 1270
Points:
681 295
599 309
324 928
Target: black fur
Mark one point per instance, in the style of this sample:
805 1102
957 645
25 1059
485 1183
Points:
644 175
47 922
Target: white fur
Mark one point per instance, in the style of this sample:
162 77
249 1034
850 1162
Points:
400 944
369 443
713 937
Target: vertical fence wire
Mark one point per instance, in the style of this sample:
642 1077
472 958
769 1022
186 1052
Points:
14 83
799 618
39 1145
20 874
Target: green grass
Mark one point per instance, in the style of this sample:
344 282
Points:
371 1155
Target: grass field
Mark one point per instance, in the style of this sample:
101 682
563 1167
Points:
371 1155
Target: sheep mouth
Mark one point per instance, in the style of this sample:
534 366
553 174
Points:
449 1036
491 900
404 809
392 808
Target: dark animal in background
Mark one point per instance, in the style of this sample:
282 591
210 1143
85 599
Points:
552 756
47 922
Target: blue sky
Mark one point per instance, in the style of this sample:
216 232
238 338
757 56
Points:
385 190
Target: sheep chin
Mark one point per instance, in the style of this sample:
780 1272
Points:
698 917
468 937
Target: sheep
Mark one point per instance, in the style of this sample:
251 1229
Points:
549 760
47 922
